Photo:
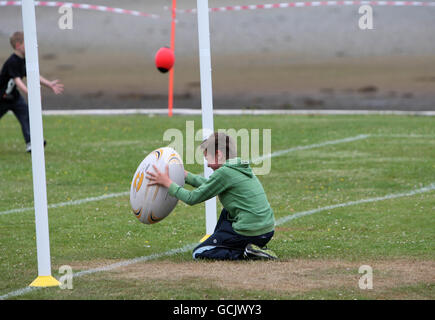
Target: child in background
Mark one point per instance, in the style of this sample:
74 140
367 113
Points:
11 78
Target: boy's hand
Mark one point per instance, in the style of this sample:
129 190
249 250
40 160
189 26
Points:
185 174
159 178
56 87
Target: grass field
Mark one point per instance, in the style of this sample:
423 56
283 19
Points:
324 232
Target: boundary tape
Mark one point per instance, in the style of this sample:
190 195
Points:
83 6
309 4
282 5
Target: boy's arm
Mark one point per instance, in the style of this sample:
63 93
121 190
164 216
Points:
207 190
53 85
20 84
195 180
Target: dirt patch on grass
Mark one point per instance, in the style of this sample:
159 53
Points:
295 276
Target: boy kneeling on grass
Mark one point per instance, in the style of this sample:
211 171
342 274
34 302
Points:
246 223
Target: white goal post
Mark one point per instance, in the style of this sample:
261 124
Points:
206 101
44 278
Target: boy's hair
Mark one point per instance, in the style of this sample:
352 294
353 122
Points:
222 142
17 37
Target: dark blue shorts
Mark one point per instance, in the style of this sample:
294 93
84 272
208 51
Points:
226 244
21 111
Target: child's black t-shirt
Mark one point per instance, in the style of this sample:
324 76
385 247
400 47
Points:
14 67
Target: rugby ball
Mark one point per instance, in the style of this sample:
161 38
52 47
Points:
151 204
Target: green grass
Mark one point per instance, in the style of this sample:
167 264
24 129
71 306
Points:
89 156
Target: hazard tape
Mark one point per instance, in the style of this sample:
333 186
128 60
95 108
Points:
301 4
83 6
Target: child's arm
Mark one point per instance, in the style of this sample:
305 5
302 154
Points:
21 85
209 189
194 180
53 85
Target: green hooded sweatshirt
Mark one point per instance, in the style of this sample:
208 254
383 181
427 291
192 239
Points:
239 191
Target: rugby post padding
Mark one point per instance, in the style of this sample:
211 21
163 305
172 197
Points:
44 279
206 101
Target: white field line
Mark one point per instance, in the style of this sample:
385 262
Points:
412 135
351 203
311 146
113 195
181 111
109 267
188 247
70 203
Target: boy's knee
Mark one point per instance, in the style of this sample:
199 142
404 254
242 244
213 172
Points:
200 251
217 253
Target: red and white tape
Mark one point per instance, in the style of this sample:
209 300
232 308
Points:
301 4
82 6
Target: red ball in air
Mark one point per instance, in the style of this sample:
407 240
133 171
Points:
165 59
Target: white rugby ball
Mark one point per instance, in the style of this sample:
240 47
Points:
152 204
